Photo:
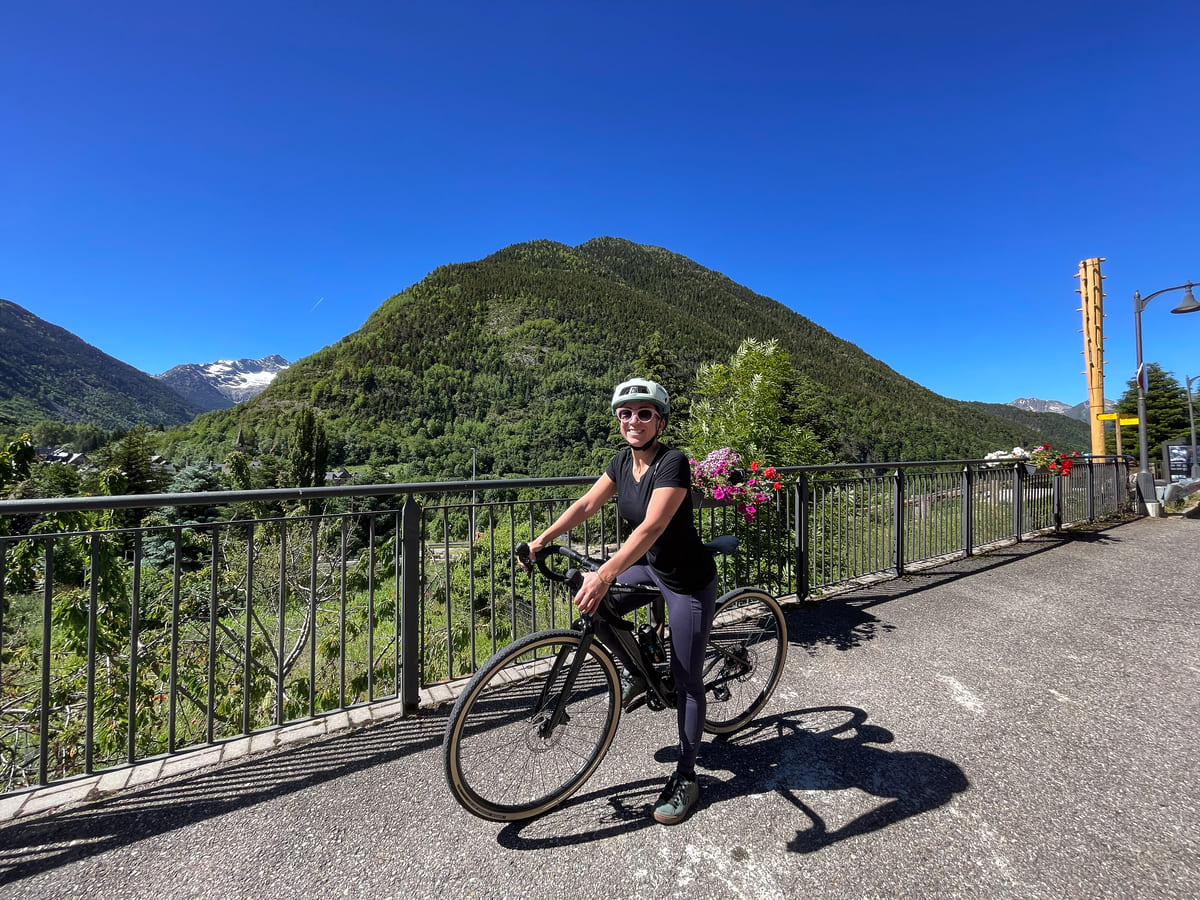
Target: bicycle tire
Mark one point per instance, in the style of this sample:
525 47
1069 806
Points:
747 648
498 765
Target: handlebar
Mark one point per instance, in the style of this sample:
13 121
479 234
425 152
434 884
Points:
722 546
572 576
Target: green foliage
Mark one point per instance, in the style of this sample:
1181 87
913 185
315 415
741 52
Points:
1166 411
758 405
16 461
130 465
309 451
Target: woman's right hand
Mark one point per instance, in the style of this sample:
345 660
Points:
535 549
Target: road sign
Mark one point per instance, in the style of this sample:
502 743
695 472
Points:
1108 417
1132 421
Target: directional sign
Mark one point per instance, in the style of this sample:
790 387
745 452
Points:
1132 421
1108 417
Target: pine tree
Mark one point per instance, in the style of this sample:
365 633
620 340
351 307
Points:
309 452
1166 410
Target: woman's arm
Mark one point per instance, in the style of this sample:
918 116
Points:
663 504
578 512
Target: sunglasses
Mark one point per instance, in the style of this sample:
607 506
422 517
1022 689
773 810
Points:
645 414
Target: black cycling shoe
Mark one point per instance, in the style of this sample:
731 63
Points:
632 686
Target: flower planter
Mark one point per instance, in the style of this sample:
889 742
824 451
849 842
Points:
701 501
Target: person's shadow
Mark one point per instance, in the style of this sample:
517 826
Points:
829 748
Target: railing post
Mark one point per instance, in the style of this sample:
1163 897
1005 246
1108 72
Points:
89 715
898 523
1018 500
968 509
410 604
803 501
1091 491
44 689
1056 500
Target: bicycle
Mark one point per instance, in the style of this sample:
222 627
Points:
533 724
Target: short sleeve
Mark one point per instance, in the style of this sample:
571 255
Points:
674 471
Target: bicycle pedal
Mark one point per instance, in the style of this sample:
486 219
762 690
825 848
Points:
639 700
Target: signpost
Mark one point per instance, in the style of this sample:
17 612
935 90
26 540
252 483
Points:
1118 420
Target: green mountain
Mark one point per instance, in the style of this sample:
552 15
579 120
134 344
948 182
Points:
514 355
48 373
1056 429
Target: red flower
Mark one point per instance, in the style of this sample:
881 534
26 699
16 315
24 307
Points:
754 467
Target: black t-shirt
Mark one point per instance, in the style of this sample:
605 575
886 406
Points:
678 556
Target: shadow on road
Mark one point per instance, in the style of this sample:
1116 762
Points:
807 754
843 622
42 843
803 755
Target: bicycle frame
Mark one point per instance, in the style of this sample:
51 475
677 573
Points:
622 633
658 694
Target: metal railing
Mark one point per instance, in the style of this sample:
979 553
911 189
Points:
140 626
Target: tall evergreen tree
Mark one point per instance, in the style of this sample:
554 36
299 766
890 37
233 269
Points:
1166 411
309 451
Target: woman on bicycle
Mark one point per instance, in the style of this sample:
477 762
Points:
652 484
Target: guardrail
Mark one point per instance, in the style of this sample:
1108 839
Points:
140 626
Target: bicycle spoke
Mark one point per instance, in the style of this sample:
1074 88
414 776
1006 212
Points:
500 759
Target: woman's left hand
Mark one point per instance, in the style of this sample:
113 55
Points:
593 591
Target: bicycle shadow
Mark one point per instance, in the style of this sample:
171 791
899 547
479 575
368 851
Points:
820 750
832 748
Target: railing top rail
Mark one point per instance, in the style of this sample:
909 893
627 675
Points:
217 498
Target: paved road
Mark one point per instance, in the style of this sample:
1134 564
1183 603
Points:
1017 725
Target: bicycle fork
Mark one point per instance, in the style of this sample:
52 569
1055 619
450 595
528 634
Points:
559 715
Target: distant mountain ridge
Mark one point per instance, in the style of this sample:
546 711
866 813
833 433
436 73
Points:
1080 411
506 356
46 372
224 383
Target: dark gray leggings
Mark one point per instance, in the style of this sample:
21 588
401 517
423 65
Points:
691 617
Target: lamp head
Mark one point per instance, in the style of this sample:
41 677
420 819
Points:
1188 304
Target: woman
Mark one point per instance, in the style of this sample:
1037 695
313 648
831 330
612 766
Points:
652 484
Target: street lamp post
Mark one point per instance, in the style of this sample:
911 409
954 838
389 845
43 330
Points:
1145 481
1192 425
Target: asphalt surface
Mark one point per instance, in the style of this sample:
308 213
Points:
1021 724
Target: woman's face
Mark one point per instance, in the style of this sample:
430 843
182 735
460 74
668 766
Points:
636 428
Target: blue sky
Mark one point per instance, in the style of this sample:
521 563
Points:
191 182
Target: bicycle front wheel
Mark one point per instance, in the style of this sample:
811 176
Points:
745 656
503 761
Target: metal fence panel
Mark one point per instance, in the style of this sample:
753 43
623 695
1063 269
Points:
126 638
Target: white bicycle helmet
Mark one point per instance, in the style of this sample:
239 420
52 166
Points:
641 389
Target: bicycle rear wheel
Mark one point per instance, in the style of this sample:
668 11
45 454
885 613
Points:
501 761
745 656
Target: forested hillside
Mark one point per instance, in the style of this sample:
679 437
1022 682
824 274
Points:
514 355
1056 429
48 373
